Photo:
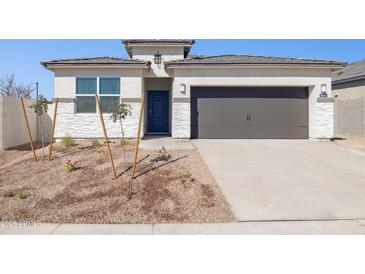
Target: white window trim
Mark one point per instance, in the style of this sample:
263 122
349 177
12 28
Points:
97 91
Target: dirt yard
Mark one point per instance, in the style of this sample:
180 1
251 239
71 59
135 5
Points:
170 187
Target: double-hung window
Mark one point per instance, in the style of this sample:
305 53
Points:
109 92
108 89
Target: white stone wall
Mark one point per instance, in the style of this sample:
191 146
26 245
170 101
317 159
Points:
85 125
324 120
180 120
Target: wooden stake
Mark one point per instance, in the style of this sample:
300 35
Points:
138 134
105 135
53 128
28 129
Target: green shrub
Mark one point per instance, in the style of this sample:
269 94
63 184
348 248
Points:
9 193
22 195
71 166
123 142
67 141
95 143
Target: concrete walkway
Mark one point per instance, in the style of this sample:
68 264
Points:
329 227
156 142
288 179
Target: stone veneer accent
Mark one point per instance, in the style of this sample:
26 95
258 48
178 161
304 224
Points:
324 119
180 120
84 125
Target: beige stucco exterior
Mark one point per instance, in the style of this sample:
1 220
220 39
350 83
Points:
13 131
350 92
137 81
65 80
311 78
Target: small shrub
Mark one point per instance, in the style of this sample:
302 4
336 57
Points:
67 141
9 193
123 142
162 156
98 150
22 195
71 166
95 143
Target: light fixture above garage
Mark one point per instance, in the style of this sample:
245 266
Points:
183 88
323 91
157 58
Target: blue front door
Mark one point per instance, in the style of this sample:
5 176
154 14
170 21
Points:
158 111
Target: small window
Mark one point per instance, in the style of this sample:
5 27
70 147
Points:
109 85
85 104
108 102
86 85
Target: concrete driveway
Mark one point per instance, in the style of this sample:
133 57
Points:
288 179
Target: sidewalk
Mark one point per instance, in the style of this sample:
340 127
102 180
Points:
321 227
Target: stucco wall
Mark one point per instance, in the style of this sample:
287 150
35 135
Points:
65 81
87 125
350 92
168 53
311 78
13 130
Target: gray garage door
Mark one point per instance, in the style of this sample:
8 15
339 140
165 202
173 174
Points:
249 112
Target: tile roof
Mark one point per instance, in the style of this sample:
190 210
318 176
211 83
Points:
100 60
158 41
354 71
237 59
187 43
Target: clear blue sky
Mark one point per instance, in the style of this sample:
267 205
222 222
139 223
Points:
22 57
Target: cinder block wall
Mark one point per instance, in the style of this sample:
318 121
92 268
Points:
13 130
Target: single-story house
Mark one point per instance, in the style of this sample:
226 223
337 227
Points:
349 82
190 96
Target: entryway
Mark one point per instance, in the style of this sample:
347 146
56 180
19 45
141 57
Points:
157 111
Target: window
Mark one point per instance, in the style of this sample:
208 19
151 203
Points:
108 89
86 88
85 104
108 102
86 85
109 86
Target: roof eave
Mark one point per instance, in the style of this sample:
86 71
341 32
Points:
309 65
349 79
106 65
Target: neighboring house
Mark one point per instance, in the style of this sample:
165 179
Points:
225 96
348 85
349 82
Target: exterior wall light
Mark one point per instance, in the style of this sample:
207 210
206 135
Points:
323 91
157 58
183 88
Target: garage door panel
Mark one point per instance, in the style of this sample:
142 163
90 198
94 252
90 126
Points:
216 116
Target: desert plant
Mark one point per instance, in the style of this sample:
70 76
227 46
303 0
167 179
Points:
123 142
40 107
9 193
22 195
163 155
71 166
67 141
95 143
118 113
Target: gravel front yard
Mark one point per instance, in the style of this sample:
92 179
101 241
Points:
179 189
